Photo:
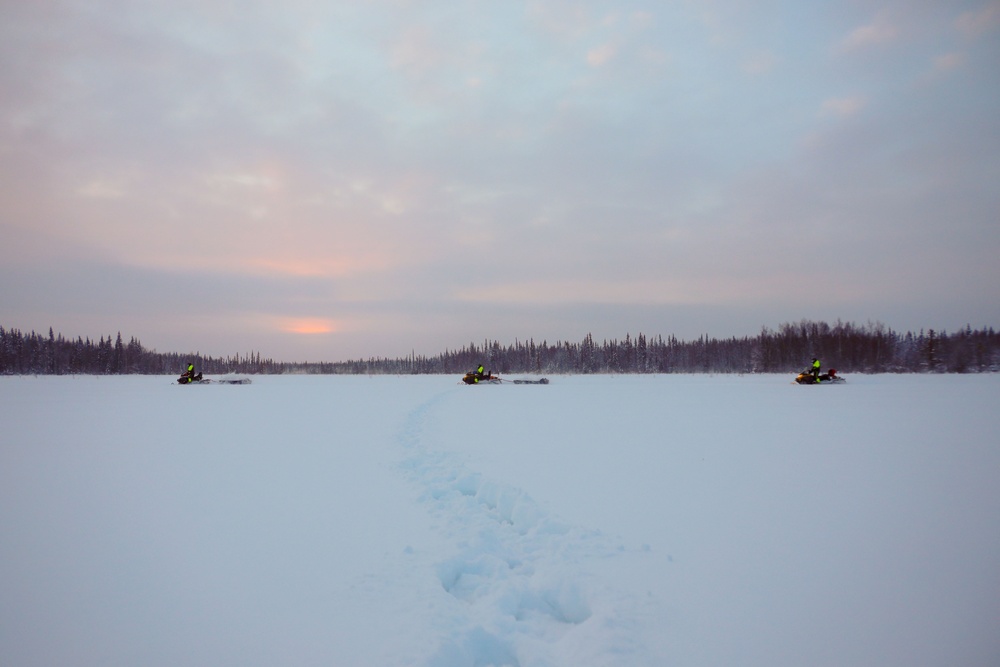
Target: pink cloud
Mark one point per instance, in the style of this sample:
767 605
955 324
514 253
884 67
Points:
601 55
976 23
876 33
948 62
761 62
844 106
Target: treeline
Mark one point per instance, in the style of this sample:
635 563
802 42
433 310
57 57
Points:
34 354
870 348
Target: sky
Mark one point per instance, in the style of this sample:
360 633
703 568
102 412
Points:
323 181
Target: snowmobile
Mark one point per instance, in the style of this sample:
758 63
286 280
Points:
830 377
198 379
472 377
188 378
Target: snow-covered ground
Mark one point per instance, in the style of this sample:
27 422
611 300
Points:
633 521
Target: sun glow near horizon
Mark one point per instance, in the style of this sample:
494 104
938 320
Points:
310 326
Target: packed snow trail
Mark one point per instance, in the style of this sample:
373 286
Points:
522 593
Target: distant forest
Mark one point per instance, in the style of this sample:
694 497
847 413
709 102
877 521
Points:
870 348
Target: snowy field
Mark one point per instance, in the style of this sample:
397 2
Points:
632 521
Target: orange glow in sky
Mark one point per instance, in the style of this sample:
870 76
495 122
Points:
310 326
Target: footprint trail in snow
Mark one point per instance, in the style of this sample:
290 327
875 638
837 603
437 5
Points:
522 593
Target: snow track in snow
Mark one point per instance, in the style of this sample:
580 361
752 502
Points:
518 579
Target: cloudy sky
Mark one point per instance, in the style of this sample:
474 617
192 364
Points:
327 180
